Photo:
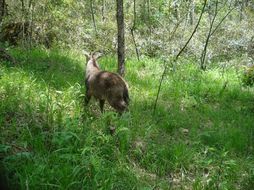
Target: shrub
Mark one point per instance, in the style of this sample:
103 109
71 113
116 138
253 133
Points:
248 76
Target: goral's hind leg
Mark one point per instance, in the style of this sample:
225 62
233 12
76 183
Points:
102 105
88 94
87 98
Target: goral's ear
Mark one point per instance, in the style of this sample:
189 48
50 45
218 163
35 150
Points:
86 54
97 55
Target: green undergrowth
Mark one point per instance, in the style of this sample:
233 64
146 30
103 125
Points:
200 136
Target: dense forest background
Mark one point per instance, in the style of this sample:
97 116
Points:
190 69
155 28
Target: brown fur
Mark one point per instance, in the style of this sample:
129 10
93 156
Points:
104 85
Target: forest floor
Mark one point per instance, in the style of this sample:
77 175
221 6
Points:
200 137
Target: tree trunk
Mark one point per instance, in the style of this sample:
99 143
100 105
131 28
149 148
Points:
175 12
191 13
241 11
120 29
133 28
92 13
23 22
103 10
2 10
31 7
149 25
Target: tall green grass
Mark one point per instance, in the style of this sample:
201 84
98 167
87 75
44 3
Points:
201 136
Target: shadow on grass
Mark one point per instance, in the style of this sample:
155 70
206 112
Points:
3 179
57 69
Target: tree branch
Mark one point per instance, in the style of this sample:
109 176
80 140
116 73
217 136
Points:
177 56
